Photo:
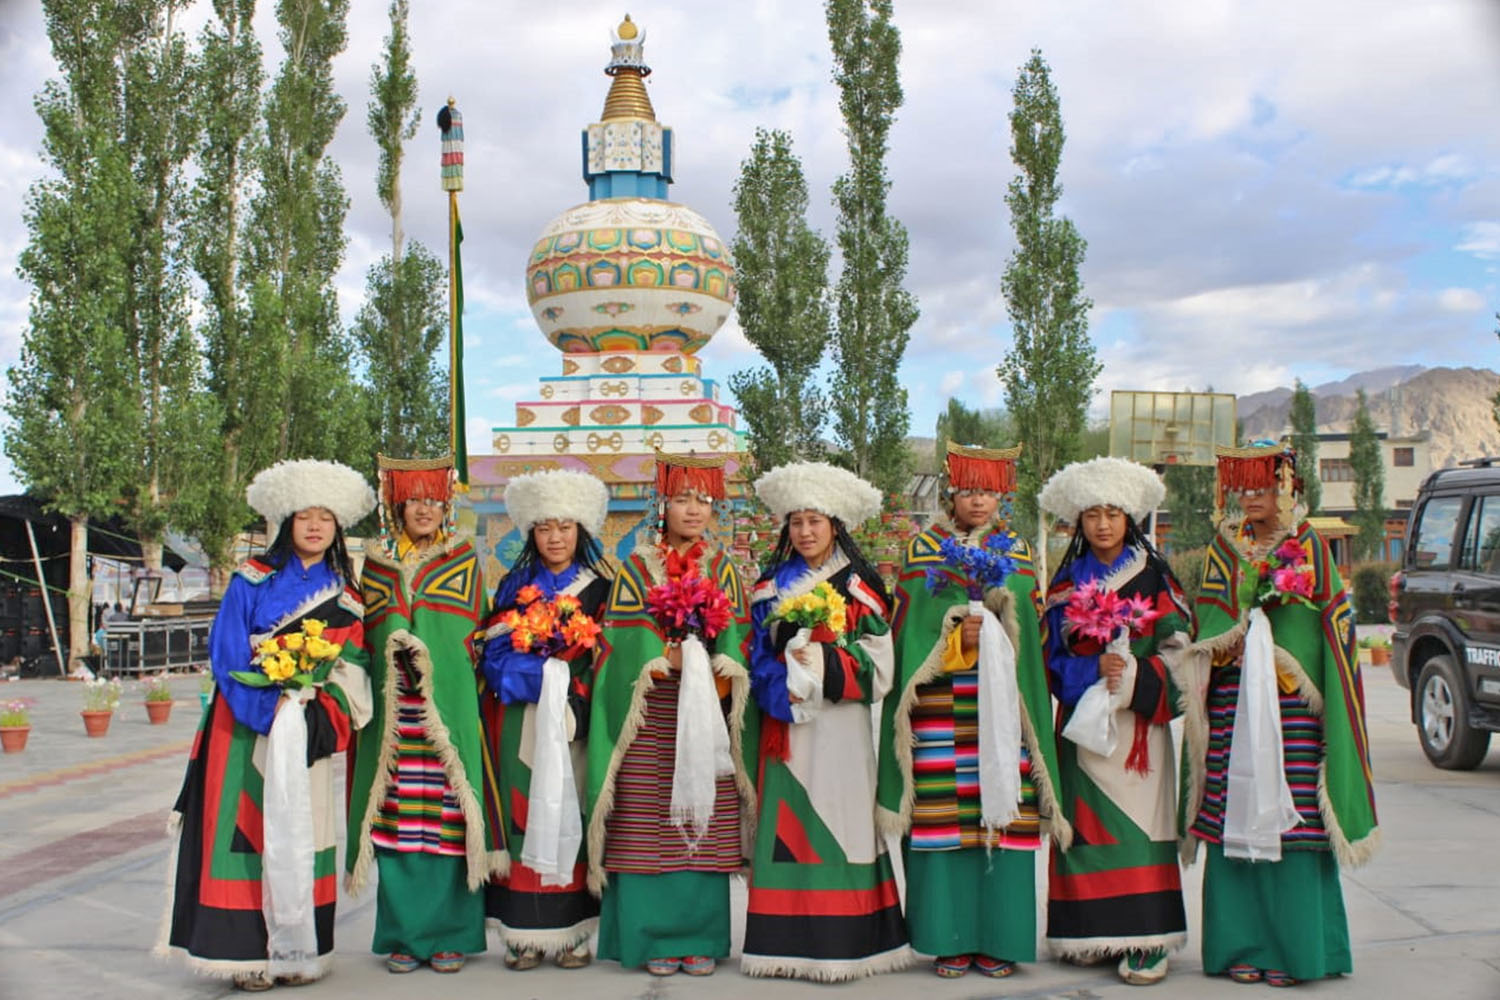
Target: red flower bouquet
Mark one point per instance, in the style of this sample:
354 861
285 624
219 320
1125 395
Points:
1283 577
1095 613
689 605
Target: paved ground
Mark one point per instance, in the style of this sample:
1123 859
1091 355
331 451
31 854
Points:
83 859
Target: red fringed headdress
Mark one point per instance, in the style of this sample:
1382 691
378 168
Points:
702 475
990 469
404 478
1258 467
401 479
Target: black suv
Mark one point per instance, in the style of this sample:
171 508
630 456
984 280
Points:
1446 608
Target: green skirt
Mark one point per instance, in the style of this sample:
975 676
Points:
423 905
965 902
1286 915
673 915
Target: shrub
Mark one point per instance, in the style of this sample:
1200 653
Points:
1371 591
1187 566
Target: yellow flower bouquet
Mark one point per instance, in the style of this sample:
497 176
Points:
822 610
293 659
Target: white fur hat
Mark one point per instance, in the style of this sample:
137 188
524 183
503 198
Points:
1113 482
557 493
287 487
819 486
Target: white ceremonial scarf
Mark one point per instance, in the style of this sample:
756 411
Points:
1259 807
702 743
287 855
554 825
999 724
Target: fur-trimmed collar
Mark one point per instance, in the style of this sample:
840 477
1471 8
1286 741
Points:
1258 549
437 550
973 537
651 557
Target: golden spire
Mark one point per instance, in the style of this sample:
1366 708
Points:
627 94
627 98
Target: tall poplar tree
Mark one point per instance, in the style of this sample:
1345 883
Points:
984 428
1304 419
1369 482
404 319
243 416
1190 499
74 418
874 313
295 243
781 275
158 139
1050 369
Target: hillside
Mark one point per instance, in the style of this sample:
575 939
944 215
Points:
1451 404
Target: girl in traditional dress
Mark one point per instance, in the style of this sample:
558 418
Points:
669 781
1275 714
415 805
823 898
249 900
967 755
1117 891
536 710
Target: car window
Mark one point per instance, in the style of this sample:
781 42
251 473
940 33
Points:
1432 543
1482 541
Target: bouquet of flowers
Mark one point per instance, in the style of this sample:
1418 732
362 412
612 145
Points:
1095 613
689 605
293 660
822 611
1283 577
15 713
555 628
981 567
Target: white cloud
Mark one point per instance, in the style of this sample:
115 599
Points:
1460 300
1482 239
951 383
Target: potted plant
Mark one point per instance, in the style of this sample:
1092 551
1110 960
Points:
15 726
100 699
205 688
1380 651
157 692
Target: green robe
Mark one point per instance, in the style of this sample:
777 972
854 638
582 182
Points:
922 622
1315 647
431 607
631 648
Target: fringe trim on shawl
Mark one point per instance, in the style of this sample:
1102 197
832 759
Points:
554 941
827 971
481 864
1096 949
1351 854
221 968
739 693
1002 604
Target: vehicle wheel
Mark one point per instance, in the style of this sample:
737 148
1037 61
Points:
1443 718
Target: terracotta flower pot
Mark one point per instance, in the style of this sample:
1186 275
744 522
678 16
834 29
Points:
159 711
13 738
1379 656
95 723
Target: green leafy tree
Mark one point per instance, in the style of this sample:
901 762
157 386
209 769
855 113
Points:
403 322
982 428
1304 419
1369 482
295 243
157 140
1190 499
73 413
1049 371
781 276
239 411
874 313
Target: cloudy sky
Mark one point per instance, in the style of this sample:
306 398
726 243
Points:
1287 188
